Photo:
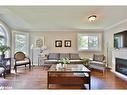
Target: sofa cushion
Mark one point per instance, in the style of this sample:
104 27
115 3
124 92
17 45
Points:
96 62
22 62
64 55
74 56
51 61
98 57
53 56
76 61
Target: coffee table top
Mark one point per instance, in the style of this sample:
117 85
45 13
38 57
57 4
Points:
79 68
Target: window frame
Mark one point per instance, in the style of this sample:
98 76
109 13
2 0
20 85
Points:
99 35
5 35
13 41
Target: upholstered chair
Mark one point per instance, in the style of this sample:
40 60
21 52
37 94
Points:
21 59
98 62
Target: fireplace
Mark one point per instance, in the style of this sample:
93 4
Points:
121 66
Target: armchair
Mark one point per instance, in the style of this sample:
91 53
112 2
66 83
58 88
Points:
98 62
21 59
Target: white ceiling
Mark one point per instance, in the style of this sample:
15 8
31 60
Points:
48 18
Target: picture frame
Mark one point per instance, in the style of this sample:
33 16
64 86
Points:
67 43
39 41
58 43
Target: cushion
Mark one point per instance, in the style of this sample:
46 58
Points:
22 62
50 61
98 57
1 70
74 56
76 61
96 62
64 55
53 56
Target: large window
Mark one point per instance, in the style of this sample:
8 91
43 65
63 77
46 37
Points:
89 42
3 38
21 42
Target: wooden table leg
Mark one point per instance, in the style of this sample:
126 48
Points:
47 80
89 81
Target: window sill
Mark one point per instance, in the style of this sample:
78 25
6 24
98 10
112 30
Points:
90 50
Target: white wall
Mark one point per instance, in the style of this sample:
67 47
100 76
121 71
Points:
50 38
108 40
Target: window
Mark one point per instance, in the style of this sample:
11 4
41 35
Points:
21 42
89 42
2 36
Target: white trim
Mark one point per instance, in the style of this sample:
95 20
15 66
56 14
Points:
114 25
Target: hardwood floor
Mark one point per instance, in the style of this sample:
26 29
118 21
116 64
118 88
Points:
36 78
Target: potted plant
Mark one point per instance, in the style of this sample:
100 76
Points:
86 62
64 61
3 49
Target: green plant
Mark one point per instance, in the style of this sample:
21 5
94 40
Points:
4 48
86 62
64 60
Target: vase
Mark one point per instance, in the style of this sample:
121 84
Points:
64 65
58 66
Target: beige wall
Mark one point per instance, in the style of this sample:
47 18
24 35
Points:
108 40
50 38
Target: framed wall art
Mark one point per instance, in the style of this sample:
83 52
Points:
39 42
58 43
67 43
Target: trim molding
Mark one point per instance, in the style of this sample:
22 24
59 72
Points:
114 25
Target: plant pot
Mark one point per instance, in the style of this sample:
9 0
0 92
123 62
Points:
64 65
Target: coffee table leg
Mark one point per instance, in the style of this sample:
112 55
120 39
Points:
89 81
48 81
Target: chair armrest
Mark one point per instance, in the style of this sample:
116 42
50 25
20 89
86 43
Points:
28 59
104 61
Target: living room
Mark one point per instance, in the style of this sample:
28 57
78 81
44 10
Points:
39 28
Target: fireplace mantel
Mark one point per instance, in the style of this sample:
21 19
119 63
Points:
118 53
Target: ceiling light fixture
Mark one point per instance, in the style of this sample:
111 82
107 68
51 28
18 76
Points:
92 18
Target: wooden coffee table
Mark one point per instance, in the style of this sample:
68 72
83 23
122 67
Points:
74 74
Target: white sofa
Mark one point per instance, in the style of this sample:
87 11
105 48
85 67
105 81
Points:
54 58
